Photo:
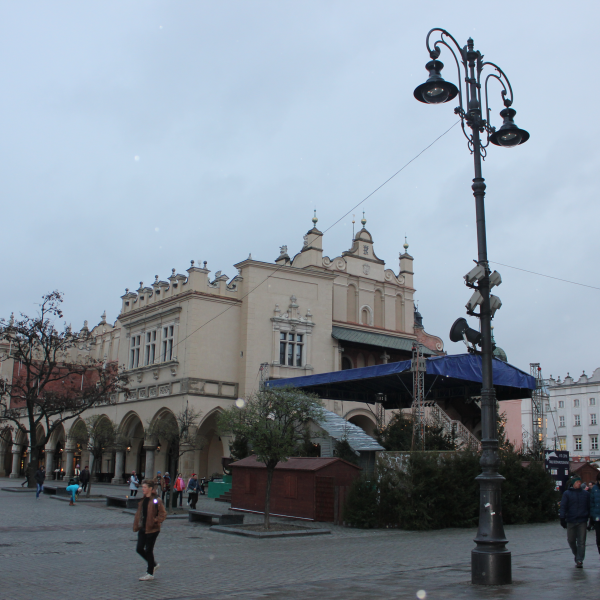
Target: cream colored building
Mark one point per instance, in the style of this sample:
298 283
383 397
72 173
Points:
203 340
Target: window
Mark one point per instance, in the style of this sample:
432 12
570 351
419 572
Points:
593 419
134 356
578 442
592 401
576 403
547 406
150 349
561 404
562 443
291 349
167 345
577 422
594 442
561 421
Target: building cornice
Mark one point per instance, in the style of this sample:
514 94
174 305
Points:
373 329
310 270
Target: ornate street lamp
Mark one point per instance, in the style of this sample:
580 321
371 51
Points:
490 560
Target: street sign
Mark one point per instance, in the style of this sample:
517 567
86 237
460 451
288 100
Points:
557 464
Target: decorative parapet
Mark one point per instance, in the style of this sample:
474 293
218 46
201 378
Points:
196 280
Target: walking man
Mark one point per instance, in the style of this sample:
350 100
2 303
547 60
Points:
574 513
595 511
193 488
40 475
84 478
148 518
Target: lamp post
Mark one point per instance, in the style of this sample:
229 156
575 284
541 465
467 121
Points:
490 560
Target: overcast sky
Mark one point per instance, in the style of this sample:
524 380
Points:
138 135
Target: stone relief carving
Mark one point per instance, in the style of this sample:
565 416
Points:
366 269
142 393
164 390
152 392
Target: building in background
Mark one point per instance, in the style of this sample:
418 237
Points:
203 341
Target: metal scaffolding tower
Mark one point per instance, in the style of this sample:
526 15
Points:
418 367
538 401
264 374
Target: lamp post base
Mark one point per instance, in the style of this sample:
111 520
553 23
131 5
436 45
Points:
491 568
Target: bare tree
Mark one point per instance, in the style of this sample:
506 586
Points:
48 388
180 433
274 422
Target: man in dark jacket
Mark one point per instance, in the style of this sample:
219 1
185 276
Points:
40 475
148 518
84 478
574 513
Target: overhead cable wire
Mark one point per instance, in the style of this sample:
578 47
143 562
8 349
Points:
325 231
593 287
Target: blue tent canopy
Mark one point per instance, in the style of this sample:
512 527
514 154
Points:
447 377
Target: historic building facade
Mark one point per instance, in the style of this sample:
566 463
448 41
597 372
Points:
203 341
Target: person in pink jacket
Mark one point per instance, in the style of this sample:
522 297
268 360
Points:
178 487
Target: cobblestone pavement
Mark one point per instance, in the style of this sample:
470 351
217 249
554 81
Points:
49 549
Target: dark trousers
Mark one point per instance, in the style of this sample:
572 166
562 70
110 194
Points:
576 536
597 528
84 486
145 548
133 493
193 496
178 495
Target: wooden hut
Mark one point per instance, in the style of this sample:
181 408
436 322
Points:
302 488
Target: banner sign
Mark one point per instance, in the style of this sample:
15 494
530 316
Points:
557 464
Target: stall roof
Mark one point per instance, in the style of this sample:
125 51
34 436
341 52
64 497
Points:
456 376
382 340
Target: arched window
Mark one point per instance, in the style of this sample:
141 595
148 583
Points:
378 309
351 303
399 314
364 316
346 363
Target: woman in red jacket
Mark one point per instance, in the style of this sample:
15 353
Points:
179 487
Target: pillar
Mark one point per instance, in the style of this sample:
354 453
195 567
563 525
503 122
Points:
16 452
149 472
119 467
2 456
69 464
49 463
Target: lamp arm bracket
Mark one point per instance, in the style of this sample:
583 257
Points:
435 52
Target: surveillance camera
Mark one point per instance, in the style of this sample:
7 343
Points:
475 274
495 279
495 304
475 301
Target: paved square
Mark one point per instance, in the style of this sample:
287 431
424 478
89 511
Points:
49 549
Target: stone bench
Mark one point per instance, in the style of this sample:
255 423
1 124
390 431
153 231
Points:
55 490
207 517
123 502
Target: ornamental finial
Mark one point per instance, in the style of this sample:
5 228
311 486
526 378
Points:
363 220
314 219
405 245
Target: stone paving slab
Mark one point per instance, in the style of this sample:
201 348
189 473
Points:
45 546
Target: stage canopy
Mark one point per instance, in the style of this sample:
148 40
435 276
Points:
447 377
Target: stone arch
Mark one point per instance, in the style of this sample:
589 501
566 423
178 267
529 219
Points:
133 432
366 315
378 309
399 313
6 444
347 363
55 449
40 434
208 458
363 419
351 304
164 449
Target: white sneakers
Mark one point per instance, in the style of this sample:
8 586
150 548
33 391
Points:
147 577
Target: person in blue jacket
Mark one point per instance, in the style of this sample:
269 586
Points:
574 515
73 489
595 510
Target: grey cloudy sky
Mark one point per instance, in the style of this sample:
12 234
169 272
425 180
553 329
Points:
246 115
